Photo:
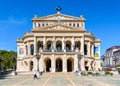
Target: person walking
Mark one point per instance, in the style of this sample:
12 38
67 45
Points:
35 75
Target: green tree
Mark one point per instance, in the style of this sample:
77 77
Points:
7 62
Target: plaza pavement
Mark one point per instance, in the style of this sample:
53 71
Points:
59 79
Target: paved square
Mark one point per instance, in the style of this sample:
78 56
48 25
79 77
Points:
59 79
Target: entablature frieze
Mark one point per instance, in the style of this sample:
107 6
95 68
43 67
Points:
57 34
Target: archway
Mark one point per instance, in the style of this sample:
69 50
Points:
39 45
68 46
31 65
48 65
59 46
58 65
77 45
69 65
86 65
49 45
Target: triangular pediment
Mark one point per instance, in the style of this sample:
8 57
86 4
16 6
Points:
58 17
59 27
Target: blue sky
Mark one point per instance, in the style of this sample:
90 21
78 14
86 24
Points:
102 18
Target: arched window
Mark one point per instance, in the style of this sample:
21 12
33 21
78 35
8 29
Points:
49 45
77 24
59 46
77 45
31 49
46 24
26 50
43 24
68 45
74 24
39 45
39 25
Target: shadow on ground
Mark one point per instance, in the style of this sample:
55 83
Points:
5 75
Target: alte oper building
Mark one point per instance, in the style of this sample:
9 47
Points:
63 45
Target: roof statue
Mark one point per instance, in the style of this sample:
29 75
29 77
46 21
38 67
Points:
58 9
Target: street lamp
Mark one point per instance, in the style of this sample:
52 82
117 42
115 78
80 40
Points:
79 59
1 63
14 65
37 57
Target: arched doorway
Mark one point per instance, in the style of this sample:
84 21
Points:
69 65
31 65
48 65
58 65
86 65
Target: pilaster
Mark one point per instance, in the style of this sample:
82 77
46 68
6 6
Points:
92 50
44 43
82 45
28 48
75 63
64 63
53 63
88 48
35 45
73 43
53 44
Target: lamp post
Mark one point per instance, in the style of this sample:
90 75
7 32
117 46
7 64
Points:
1 64
79 59
37 57
14 65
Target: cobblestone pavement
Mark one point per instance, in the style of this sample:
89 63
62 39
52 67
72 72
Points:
60 79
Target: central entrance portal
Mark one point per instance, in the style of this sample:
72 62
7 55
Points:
58 65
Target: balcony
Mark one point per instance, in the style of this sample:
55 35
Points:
46 50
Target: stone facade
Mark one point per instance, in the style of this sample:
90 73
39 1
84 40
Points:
111 57
62 44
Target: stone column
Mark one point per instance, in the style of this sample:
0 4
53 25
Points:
82 45
53 63
44 43
92 50
64 63
28 48
35 45
41 62
37 24
88 49
64 44
53 44
73 43
82 65
34 25
99 51
75 63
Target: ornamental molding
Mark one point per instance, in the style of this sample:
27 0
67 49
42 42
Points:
58 27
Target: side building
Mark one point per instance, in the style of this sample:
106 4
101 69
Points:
62 43
111 58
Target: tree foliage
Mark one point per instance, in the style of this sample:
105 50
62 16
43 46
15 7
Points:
7 62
